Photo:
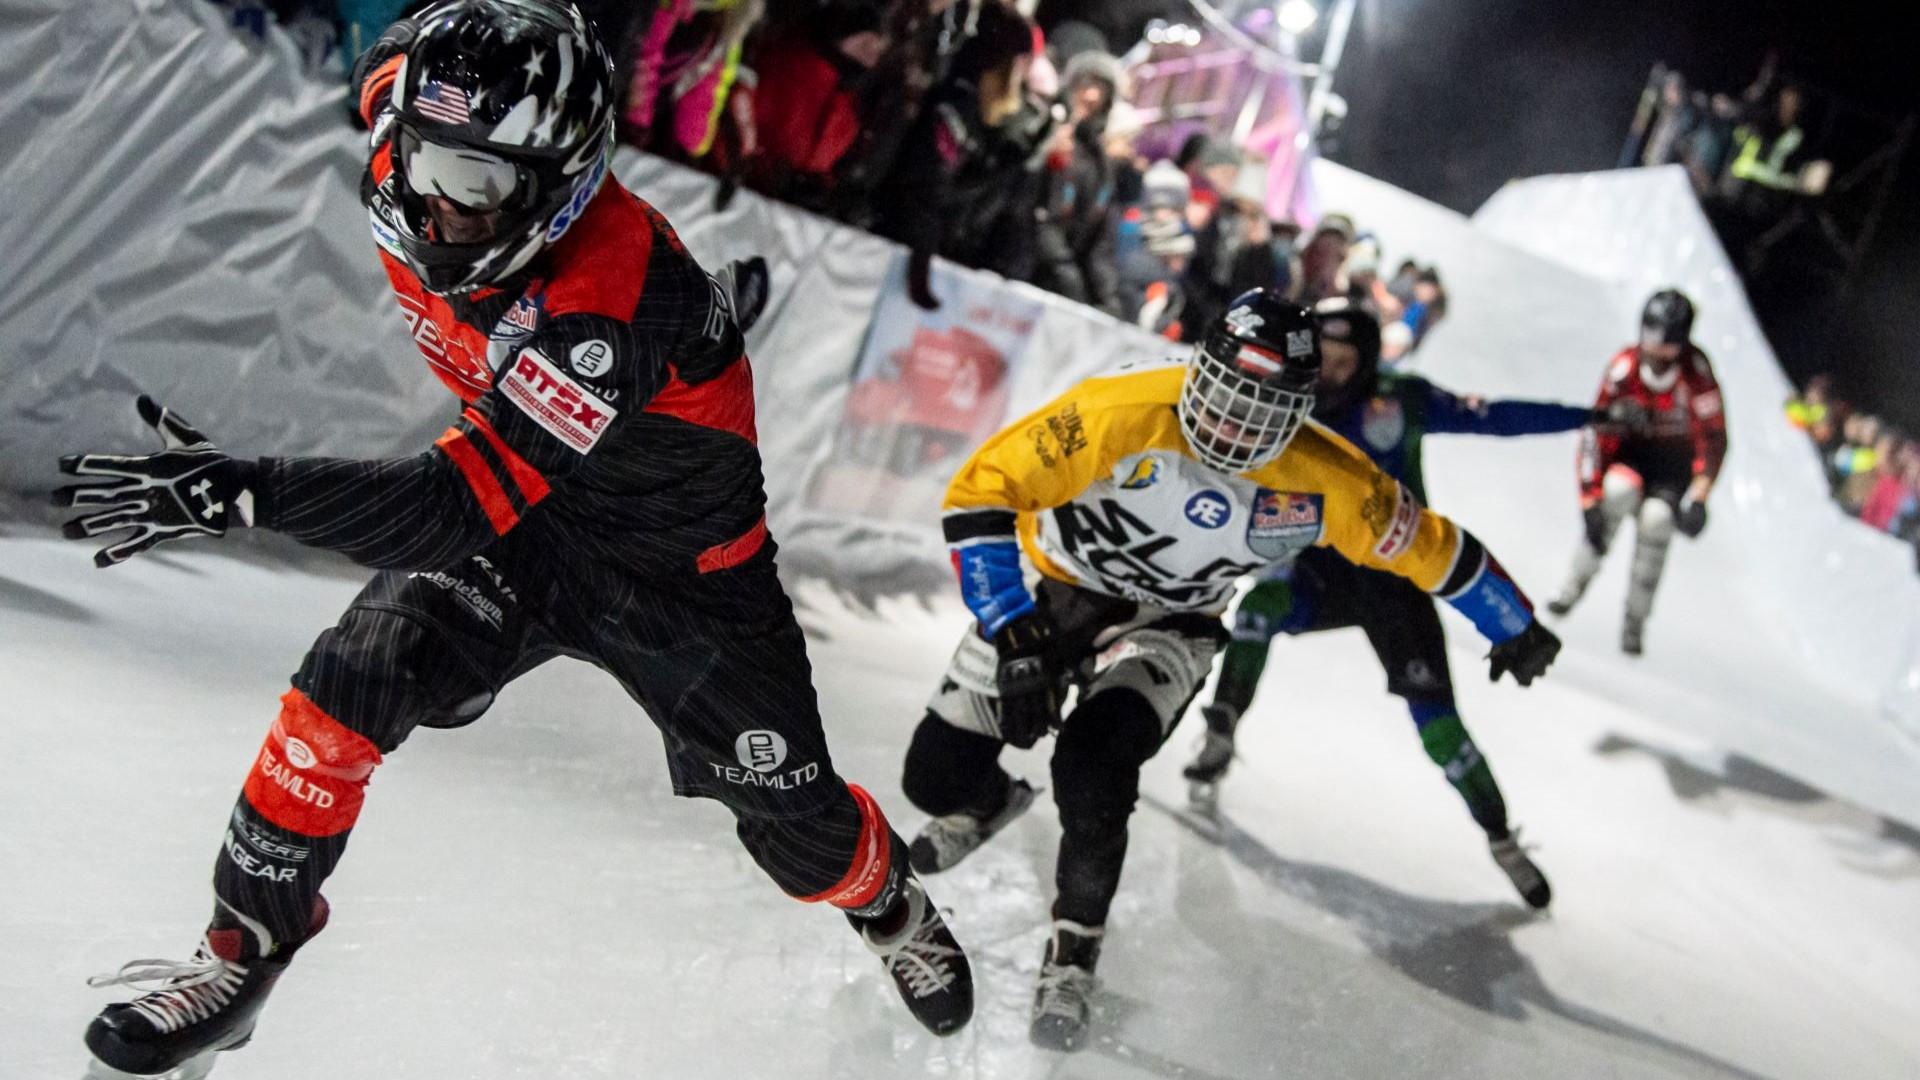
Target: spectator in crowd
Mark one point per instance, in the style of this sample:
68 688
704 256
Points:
686 57
960 183
1766 147
921 39
1359 277
810 116
1668 139
1321 259
1237 249
1711 144
1213 169
1154 248
1426 305
1129 167
1892 489
1854 461
1075 223
1809 408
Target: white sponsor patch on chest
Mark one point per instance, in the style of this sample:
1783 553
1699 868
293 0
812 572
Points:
554 401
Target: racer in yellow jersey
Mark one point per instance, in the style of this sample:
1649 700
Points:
1097 542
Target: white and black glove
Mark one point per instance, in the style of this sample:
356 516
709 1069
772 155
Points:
190 488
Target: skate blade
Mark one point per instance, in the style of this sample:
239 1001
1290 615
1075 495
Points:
192 1069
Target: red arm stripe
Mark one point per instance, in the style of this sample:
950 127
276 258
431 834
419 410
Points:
532 485
486 488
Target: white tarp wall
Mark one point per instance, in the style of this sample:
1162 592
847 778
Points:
182 218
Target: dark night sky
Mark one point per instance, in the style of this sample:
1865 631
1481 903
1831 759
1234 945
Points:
1451 98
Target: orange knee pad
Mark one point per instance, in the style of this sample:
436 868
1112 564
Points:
311 774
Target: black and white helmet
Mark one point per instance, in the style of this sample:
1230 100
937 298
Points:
1249 385
503 107
1667 319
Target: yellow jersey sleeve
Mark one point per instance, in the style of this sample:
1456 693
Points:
1372 519
1048 457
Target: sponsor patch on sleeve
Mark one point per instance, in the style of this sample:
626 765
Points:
1398 535
556 402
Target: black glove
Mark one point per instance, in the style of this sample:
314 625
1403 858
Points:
1692 518
919 290
188 489
747 284
1596 522
1029 685
1526 654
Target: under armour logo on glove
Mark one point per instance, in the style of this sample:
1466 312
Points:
200 491
190 488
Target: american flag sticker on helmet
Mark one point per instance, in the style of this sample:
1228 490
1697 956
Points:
447 104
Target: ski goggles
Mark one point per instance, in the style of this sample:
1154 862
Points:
478 181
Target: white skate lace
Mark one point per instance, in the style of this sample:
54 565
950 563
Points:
927 963
181 992
1063 991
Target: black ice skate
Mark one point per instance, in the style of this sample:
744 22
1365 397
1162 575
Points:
1209 765
1526 877
928 967
197 1007
944 841
1062 1004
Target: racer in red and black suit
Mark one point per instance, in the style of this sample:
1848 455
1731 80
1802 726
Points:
1656 463
599 496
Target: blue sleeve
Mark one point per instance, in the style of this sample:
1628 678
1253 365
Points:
986 558
1450 414
1480 589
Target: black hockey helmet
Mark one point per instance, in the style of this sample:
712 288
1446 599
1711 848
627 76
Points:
1667 319
1339 318
1250 382
504 108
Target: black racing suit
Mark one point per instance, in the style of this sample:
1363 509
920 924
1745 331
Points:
599 496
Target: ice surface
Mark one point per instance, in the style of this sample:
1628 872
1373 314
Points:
524 898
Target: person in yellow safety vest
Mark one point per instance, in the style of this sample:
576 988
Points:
1763 149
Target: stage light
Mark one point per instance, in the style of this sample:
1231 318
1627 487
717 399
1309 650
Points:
1297 16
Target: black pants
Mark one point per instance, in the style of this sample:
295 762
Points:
717 661
1137 669
1326 592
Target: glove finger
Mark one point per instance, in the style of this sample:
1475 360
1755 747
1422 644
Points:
1496 669
175 432
126 549
120 517
84 495
119 466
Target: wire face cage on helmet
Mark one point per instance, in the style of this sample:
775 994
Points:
1237 411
